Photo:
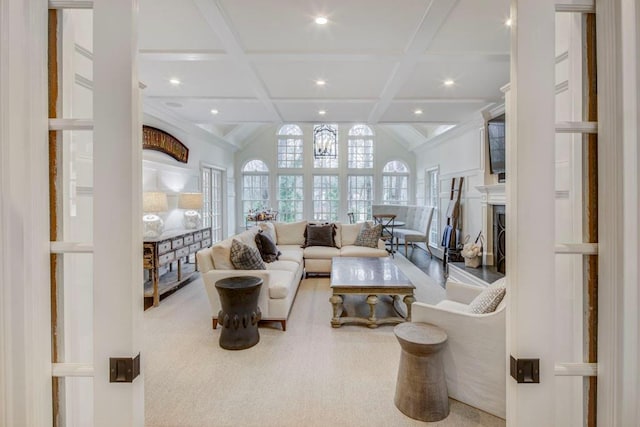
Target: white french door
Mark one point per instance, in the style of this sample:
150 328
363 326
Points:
96 240
213 206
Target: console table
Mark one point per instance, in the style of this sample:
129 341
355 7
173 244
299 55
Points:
170 247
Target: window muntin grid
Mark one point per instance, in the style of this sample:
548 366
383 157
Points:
255 186
360 196
326 197
395 183
290 147
329 163
290 198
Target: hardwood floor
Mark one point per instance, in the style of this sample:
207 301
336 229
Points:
419 256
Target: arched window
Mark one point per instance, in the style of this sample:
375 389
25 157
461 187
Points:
290 148
326 162
255 186
395 183
360 147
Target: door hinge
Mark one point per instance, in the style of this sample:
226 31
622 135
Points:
124 369
525 370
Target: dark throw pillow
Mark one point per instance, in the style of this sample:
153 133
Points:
244 257
369 235
320 235
268 250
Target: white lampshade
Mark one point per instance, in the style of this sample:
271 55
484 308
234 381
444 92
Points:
190 201
154 201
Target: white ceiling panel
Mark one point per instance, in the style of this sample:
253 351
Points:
432 112
174 25
229 111
474 26
343 79
354 25
198 78
472 79
335 112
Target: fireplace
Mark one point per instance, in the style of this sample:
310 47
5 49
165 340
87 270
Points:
499 232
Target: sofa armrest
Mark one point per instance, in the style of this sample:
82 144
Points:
205 261
462 292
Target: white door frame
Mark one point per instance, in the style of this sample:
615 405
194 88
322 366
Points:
25 318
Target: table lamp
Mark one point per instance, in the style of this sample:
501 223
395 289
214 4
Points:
192 202
153 202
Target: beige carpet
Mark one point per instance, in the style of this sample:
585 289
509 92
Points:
310 375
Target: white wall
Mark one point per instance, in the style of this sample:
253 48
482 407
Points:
263 146
163 173
459 152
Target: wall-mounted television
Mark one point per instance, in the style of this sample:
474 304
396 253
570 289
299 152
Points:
496 138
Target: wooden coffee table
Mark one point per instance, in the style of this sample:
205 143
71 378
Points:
371 277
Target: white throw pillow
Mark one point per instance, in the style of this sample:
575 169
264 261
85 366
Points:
349 233
269 229
487 300
221 255
290 233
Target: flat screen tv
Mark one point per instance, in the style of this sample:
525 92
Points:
495 131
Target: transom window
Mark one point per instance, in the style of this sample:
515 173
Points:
290 198
360 196
255 186
290 147
395 183
360 147
326 197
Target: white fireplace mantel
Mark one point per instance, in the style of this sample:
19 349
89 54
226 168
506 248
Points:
492 194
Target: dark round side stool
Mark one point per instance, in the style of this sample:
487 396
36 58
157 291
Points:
240 314
421 388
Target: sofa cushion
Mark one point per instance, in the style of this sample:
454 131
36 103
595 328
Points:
291 253
321 252
248 237
369 235
269 229
290 233
487 300
349 233
245 257
281 284
221 255
291 266
267 248
362 251
320 235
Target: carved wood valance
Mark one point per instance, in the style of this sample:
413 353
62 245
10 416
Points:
159 140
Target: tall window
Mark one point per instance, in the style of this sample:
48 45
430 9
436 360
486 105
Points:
360 147
290 198
290 154
328 163
433 200
255 186
395 183
326 197
212 210
360 196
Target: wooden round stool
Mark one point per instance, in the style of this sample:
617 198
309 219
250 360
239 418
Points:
421 388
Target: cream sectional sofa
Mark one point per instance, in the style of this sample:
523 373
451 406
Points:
282 277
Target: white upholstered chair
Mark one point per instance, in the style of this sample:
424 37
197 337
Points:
475 353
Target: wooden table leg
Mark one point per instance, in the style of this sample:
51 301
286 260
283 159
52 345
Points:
408 300
179 269
154 278
336 301
372 300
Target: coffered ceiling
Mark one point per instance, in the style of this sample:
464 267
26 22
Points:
257 61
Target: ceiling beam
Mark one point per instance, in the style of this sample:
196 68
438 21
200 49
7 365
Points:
434 17
223 100
214 15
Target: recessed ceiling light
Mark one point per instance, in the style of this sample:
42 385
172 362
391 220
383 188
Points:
508 22
214 111
417 112
321 20
322 112
449 82
174 81
321 82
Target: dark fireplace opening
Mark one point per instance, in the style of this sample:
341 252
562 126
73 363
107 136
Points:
499 231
